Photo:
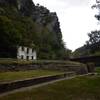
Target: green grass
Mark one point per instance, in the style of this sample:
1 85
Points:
11 76
10 61
98 70
80 88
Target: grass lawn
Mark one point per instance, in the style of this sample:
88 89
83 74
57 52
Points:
80 88
98 70
10 61
11 76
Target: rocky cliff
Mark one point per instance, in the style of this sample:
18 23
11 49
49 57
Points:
24 23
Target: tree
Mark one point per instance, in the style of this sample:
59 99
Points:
94 37
94 41
97 6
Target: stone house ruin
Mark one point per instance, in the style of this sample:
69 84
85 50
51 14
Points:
26 53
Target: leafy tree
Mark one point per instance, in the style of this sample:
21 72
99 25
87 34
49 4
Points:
94 37
94 41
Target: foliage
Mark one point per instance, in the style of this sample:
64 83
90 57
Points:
81 52
94 41
94 37
20 28
92 46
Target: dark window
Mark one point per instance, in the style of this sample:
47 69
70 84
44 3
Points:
27 50
22 48
27 57
32 57
22 57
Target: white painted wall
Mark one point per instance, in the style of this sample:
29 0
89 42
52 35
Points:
26 53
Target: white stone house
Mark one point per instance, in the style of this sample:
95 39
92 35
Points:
26 53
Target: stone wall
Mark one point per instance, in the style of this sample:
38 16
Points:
78 68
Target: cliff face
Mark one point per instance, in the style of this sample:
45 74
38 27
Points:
31 25
26 7
39 14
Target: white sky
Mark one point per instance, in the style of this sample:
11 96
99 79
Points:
76 19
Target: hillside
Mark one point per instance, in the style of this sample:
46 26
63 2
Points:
26 24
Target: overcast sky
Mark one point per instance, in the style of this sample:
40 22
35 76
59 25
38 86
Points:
76 19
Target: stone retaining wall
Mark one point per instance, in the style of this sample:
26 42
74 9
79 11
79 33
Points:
78 68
